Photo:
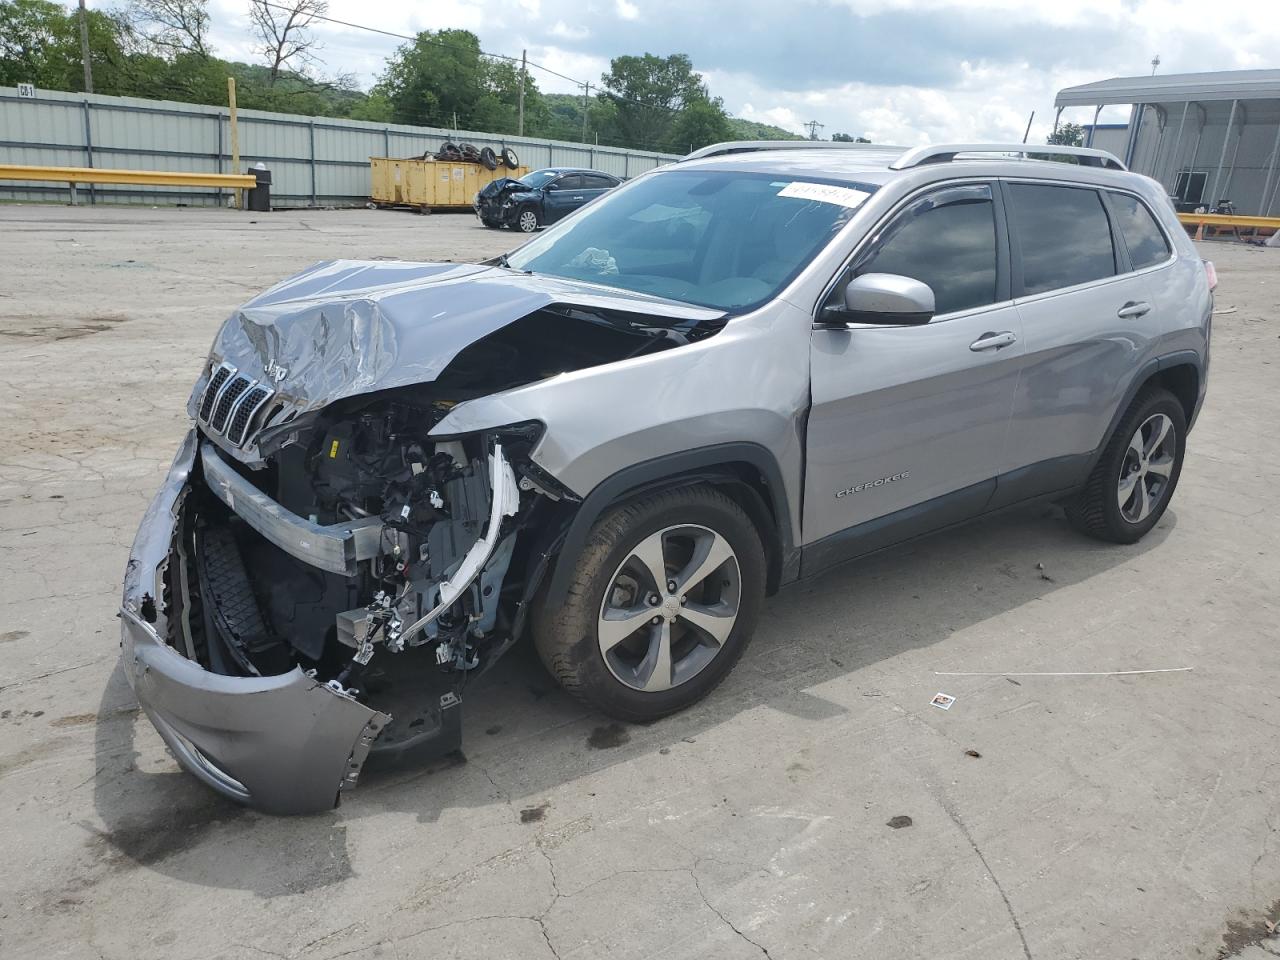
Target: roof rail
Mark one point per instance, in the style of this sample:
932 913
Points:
946 152
752 146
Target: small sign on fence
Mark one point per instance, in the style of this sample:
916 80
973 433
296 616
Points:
27 91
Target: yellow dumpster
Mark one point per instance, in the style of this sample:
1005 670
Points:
430 184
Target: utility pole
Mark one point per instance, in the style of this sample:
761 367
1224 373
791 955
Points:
1026 133
84 49
586 92
1155 62
235 138
524 73
813 126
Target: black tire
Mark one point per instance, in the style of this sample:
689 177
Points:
509 158
1097 509
491 224
528 220
567 637
489 159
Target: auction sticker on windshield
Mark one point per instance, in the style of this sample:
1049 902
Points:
825 192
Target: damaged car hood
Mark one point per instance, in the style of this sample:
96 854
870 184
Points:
348 327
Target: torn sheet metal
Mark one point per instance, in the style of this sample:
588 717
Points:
349 327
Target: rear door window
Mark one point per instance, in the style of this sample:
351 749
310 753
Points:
1142 235
592 181
1064 235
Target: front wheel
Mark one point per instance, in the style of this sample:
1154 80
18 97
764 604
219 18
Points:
663 601
1133 481
528 221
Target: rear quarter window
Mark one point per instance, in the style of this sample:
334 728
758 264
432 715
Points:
1142 235
1064 235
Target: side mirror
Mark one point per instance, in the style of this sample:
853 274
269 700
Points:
883 298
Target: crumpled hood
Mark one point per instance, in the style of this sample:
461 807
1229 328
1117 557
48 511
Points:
347 327
493 188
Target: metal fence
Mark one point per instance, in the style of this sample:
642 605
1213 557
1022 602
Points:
315 161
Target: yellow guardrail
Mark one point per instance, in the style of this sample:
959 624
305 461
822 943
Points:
146 178
1228 220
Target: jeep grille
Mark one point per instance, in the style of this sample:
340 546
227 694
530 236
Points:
230 403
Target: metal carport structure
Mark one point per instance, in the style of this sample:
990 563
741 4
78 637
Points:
1207 137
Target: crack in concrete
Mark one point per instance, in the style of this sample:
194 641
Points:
725 920
1017 924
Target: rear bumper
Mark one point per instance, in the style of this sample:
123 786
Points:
283 744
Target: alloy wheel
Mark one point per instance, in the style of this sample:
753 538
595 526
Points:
528 221
669 608
1147 468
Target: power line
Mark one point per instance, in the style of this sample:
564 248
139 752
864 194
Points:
495 56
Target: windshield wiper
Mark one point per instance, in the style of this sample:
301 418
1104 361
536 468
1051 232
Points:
501 261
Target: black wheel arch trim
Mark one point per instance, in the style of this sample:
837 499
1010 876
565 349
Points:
1179 358
701 465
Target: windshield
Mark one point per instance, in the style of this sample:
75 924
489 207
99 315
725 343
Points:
539 177
727 240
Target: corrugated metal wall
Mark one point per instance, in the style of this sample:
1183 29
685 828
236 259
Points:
313 161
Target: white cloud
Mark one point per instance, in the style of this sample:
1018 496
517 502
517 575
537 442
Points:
975 68
566 32
783 117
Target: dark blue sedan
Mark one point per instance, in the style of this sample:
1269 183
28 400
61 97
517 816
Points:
540 198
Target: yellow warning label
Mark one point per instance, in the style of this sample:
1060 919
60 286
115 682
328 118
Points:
333 450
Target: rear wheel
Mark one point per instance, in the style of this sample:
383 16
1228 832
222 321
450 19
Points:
1130 488
663 601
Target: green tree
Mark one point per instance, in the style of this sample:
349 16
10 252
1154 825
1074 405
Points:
700 123
1067 135
847 138
442 75
40 44
374 107
648 93
754 130
173 26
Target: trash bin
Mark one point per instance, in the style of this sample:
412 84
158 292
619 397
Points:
260 195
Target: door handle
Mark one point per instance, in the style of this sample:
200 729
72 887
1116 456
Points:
577 198
1134 308
993 341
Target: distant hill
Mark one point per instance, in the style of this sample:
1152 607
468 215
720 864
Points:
751 130
565 122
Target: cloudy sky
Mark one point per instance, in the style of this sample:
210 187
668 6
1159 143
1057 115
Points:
897 71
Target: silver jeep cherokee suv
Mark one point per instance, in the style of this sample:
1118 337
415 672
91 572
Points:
733 372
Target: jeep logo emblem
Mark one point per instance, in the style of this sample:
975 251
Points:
276 372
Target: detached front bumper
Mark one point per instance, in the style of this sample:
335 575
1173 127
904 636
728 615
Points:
282 744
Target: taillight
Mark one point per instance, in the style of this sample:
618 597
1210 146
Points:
1211 273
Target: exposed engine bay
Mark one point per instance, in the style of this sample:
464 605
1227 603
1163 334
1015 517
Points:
417 608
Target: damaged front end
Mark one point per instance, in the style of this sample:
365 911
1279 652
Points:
275 630
497 200
320 576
